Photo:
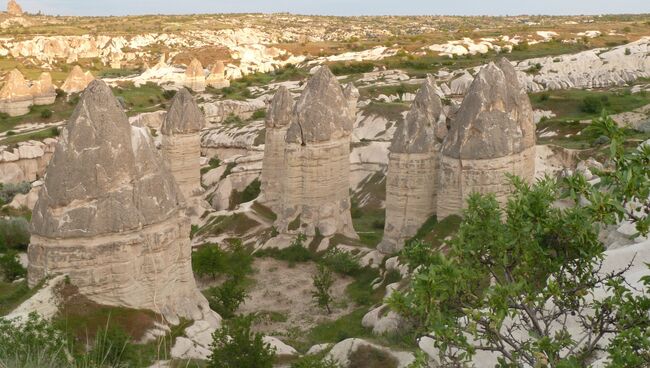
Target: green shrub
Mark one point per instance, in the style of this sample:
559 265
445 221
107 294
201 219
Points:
367 356
214 162
323 282
236 346
341 262
46 113
259 114
314 361
10 133
10 268
209 260
9 191
14 233
594 104
294 253
32 343
226 298
232 119
352 68
169 94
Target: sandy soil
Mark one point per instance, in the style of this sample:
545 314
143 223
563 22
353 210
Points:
283 293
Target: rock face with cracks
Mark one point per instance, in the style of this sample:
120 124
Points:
111 216
43 90
15 96
317 157
181 142
493 135
411 182
77 80
194 76
274 169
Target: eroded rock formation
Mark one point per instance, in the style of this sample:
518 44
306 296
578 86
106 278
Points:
274 169
217 77
77 80
14 9
493 134
411 181
194 76
111 216
181 142
43 90
317 153
15 97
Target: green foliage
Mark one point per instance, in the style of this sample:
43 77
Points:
214 162
209 260
294 253
533 267
323 281
259 114
233 119
236 346
46 113
9 191
341 262
14 233
249 193
10 268
168 94
226 298
229 167
31 343
352 68
367 356
594 104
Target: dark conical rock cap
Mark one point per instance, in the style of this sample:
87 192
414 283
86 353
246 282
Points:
184 115
321 112
417 133
104 176
280 110
495 118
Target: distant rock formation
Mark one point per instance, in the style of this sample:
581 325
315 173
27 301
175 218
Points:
77 80
411 182
194 76
181 142
493 134
217 77
111 216
14 9
278 118
15 96
43 90
317 183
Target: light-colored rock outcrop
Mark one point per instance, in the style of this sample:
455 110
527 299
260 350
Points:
217 77
111 216
195 76
317 183
218 111
77 80
27 162
181 142
14 9
43 90
342 351
274 168
15 97
493 135
411 183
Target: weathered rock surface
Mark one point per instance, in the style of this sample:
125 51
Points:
411 182
194 76
493 135
14 9
15 96
317 183
43 90
217 77
77 80
274 168
181 142
218 111
342 351
27 162
111 216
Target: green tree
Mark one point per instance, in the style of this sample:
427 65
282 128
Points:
226 298
516 277
209 260
323 281
236 346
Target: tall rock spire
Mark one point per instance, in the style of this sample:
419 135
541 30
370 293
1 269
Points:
181 142
493 135
412 169
278 118
111 216
194 76
15 96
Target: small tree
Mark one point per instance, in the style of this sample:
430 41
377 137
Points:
323 282
236 346
209 260
225 299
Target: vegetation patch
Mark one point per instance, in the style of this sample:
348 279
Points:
237 224
249 193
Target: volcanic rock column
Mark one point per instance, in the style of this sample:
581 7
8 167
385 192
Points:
15 97
194 76
77 80
274 169
411 179
111 216
217 77
317 183
493 135
43 90
181 142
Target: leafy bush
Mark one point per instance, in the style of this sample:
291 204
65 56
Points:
352 68
226 298
46 113
594 104
168 94
369 357
209 260
341 262
9 191
314 361
214 162
259 114
249 193
294 253
323 282
14 233
236 346
233 119
31 343
10 268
